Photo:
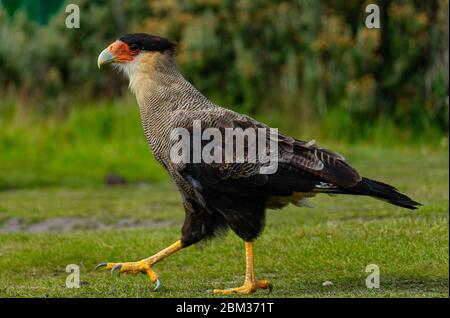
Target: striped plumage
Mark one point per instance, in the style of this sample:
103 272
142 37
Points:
230 195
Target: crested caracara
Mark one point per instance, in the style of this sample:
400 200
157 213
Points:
223 194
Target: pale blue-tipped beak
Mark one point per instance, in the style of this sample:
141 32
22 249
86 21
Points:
104 58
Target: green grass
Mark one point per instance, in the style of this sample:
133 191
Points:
78 149
299 250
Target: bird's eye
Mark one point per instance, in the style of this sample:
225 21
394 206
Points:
134 47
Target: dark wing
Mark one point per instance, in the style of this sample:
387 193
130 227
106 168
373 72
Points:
327 165
302 166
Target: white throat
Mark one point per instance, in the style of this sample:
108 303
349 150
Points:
130 69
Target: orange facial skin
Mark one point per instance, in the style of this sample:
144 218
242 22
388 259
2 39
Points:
122 52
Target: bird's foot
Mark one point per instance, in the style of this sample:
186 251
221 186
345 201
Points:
249 287
144 266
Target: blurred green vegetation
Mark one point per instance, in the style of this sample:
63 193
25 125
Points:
94 141
298 60
310 68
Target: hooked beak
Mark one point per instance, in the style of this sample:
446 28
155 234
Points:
105 57
117 52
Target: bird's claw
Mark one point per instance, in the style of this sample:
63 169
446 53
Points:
100 265
133 268
249 287
158 284
116 267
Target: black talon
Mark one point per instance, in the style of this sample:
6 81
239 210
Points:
270 288
118 266
100 265
158 284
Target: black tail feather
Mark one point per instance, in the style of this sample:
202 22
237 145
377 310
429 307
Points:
383 192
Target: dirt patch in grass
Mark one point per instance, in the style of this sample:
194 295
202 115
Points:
66 224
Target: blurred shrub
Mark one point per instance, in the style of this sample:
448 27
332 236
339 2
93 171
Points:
286 60
52 64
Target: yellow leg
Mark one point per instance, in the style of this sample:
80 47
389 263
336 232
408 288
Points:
251 284
145 265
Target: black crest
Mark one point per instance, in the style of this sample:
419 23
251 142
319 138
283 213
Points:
147 42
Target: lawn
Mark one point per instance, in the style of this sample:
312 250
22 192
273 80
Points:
45 228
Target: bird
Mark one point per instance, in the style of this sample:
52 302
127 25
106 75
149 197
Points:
221 195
